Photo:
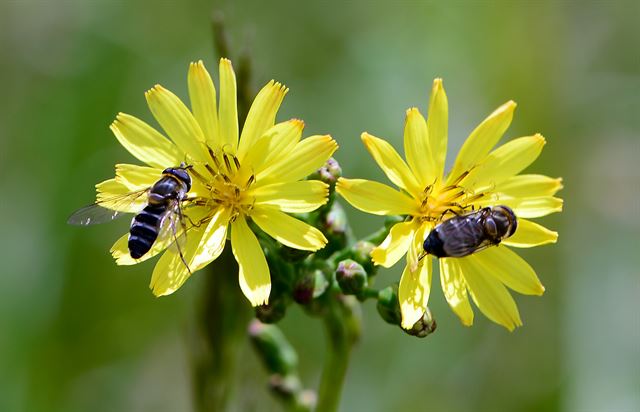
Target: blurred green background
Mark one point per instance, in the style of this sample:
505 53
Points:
80 334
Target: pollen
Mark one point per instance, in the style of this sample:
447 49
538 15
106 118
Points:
227 185
440 202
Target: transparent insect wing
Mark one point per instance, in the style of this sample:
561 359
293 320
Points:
173 228
173 231
108 209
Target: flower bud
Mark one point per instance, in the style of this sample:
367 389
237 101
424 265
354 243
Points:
336 221
351 277
286 387
425 326
388 305
310 286
336 228
272 347
361 253
273 311
329 172
303 289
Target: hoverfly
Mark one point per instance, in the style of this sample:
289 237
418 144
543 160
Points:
466 234
161 216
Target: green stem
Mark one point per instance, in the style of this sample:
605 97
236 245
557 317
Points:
369 293
219 337
342 325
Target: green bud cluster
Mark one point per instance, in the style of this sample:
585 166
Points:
343 266
329 283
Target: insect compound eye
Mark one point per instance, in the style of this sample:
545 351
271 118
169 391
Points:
490 227
506 221
181 174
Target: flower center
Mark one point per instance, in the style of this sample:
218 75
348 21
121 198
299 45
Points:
440 202
228 186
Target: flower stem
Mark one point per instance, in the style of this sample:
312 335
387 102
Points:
219 337
342 324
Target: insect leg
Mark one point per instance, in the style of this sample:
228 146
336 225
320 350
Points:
454 211
177 243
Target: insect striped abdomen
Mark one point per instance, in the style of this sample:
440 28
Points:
144 229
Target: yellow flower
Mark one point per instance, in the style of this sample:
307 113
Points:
255 175
479 178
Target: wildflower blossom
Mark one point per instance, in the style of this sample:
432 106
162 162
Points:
480 177
238 177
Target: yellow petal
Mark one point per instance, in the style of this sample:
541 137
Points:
293 197
136 177
506 266
455 290
254 278
307 156
529 186
213 240
170 272
417 150
202 94
505 162
482 139
490 295
228 114
395 245
277 142
413 293
262 115
391 163
120 252
110 188
437 125
530 234
288 230
144 142
178 122
374 197
416 249
530 207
